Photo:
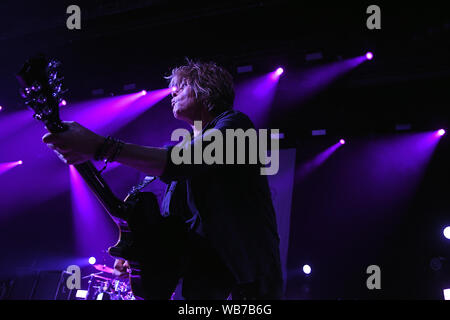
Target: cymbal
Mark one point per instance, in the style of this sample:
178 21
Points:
101 277
101 267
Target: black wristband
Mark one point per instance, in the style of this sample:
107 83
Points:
103 150
118 145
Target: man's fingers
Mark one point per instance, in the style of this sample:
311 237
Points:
60 148
69 122
61 157
50 138
69 158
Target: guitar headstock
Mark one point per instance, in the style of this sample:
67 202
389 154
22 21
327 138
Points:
41 89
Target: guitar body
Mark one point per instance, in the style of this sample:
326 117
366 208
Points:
152 245
147 240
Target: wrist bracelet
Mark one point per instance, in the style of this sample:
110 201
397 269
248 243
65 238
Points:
109 150
103 149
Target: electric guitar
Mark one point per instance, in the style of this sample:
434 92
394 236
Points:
144 235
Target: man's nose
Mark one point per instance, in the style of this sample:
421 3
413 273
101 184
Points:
174 91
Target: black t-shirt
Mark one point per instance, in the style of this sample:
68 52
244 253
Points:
230 205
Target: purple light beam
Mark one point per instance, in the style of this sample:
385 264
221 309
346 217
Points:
93 230
254 97
108 115
9 165
305 84
308 167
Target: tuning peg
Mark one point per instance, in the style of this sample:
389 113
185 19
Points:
36 87
53 80
56 88
52 76
41 99
25 92
53 64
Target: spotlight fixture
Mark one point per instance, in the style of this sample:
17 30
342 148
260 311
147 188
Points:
81 294
342 141
446 232
306 269
369 55
92 260
441 132
20 162
144 92
279 71
446 294
320 132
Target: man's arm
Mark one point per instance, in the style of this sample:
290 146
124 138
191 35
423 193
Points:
78 144
150 160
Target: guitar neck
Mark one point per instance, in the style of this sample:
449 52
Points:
41 90
97 184
93 178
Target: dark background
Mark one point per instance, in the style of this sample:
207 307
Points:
139 42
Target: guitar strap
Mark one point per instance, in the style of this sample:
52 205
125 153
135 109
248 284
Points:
137 188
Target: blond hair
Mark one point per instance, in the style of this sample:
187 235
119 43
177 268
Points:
211 84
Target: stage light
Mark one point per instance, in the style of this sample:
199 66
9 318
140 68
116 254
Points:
279 71
173 89
63 103
320 132
81 294
9 165
441 132
446 294
369 55
144 92
342 141
446 232
92 260
306 269
1 108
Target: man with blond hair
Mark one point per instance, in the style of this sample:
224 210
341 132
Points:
231 239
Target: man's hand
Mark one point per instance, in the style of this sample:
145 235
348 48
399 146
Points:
121 268
75 145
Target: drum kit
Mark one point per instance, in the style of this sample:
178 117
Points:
104 286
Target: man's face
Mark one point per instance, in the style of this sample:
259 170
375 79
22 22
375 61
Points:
184 105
